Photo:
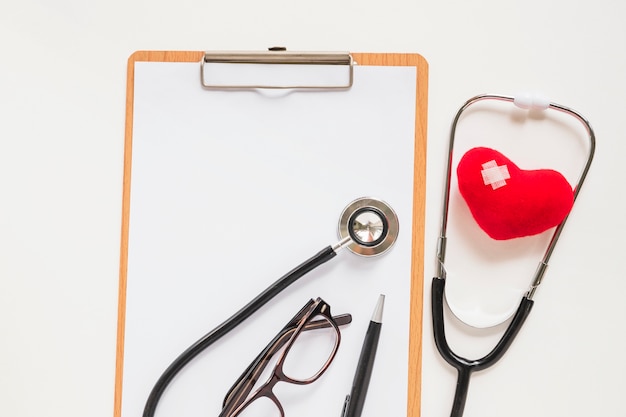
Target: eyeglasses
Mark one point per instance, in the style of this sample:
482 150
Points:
310 340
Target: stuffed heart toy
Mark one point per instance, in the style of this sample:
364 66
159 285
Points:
508 202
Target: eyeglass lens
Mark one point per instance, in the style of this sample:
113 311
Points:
306 359
310 352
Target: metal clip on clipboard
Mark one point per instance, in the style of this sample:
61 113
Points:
277 69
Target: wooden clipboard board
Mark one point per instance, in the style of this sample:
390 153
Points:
418 207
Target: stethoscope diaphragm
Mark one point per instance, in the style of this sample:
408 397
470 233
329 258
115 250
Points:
370 224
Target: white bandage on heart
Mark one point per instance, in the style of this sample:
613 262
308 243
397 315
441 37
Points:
495 175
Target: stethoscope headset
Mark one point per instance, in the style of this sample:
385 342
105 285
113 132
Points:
367 227
465 367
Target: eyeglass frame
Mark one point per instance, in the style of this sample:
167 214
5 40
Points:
238 398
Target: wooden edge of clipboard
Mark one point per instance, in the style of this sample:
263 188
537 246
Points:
419 193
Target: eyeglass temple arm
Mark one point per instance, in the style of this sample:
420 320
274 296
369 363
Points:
244 384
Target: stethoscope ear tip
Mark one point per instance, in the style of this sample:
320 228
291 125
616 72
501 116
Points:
370 224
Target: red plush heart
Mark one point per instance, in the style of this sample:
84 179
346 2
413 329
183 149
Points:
509 202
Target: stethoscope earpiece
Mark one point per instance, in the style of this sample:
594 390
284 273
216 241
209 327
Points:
370 225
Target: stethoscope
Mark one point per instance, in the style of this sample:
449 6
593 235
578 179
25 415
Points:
367 227
465 367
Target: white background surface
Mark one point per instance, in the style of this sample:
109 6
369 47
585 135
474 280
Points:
62 102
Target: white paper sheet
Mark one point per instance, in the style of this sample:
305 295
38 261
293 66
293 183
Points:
229 191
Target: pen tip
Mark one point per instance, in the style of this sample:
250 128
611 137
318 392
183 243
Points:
378 311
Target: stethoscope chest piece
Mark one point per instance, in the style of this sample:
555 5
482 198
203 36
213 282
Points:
370 224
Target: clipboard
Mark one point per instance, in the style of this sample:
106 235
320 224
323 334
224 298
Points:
155 313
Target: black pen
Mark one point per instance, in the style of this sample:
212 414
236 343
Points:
353 405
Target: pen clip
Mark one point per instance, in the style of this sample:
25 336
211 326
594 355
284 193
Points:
346 405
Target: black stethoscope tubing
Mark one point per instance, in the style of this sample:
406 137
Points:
465 367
